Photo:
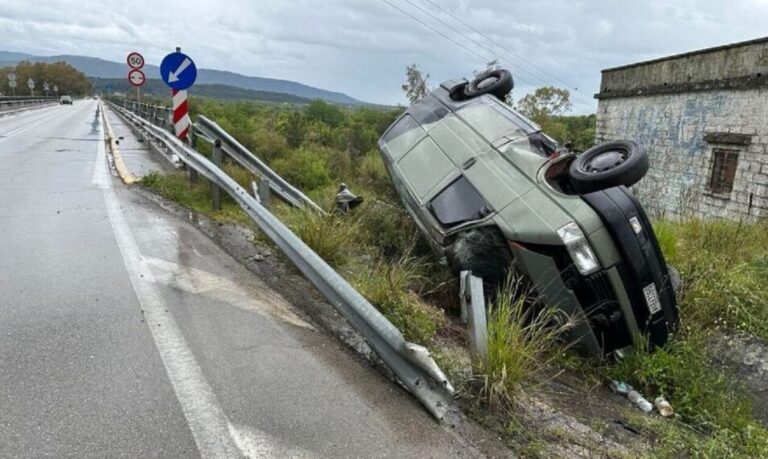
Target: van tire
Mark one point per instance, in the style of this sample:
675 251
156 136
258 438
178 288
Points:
485 252
496 82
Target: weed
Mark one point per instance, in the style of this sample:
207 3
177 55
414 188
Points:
720 263
394 289
674 439
521 344
196 196
330 236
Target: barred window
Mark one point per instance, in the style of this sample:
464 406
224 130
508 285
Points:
723 171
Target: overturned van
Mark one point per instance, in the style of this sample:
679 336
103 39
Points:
491 192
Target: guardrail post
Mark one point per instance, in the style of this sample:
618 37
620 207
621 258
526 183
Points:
215 190
473 312
263 193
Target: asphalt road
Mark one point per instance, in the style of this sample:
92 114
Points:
124 332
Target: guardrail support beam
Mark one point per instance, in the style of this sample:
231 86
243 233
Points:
263 192
473 313
215 190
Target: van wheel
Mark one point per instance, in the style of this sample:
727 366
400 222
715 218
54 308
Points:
607 165
496 82
485 252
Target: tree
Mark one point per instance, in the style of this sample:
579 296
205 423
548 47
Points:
67 78
544 103
320 110
415 86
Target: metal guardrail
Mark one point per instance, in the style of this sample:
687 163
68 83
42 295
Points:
411 363
210 131
7 103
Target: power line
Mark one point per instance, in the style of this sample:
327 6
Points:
480 45
576 92
455 42
465 24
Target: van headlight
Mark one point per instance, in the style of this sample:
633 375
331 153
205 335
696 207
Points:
578 247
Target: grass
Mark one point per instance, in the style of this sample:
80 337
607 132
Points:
331 236
521 345
197 196
394 287
723 265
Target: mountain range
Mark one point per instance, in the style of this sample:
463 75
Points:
100 68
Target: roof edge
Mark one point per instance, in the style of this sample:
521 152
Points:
688 53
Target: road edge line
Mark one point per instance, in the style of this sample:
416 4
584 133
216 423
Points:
122 170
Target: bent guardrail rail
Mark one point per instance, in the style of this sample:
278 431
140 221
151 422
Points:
211 131
411 363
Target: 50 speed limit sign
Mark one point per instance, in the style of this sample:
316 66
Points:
135 60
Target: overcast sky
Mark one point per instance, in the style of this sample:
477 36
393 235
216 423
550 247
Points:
361 47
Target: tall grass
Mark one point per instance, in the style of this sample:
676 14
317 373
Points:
521 345
394 287
331 236
722 264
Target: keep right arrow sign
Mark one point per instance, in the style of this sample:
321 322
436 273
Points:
178 71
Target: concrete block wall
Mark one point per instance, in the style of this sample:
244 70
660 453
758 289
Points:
672 129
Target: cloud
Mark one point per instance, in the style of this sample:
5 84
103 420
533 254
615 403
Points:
362 48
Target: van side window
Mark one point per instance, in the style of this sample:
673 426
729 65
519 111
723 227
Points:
459 202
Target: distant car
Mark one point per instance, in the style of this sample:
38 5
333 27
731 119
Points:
65 100
491 192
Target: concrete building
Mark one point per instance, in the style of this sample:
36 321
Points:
703 117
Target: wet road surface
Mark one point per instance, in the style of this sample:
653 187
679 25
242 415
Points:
127 333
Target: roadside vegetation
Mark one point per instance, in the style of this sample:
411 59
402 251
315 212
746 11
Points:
377 248
67 79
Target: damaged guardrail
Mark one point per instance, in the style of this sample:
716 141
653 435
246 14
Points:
411 363
211 131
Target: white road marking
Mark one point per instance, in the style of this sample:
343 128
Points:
27 127
205 417
253 444
198 281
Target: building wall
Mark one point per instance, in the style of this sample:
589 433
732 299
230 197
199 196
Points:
738 65
672 128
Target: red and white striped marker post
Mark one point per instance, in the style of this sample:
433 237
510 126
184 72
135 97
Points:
181 120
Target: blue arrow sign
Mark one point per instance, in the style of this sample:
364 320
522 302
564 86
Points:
178 71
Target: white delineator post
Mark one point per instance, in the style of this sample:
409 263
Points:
181 120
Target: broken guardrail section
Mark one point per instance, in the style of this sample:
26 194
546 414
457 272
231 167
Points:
411 363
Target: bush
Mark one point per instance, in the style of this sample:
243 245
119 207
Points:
304 168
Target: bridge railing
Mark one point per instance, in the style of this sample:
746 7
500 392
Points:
11 103
411 363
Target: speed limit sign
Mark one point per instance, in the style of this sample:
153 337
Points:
135 60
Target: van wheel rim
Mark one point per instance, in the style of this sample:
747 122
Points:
605 161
